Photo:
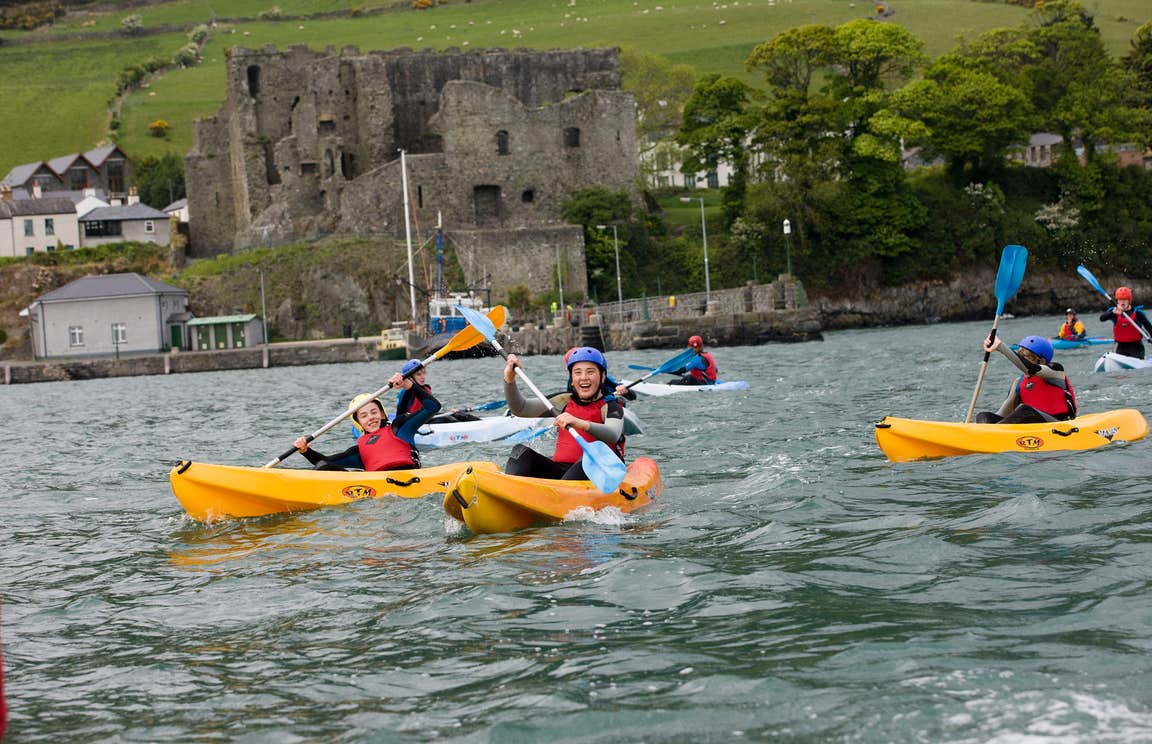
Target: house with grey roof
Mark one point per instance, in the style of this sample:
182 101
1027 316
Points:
30 226
134 221
107 168
108 315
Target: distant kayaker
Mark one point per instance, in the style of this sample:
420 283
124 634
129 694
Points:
1072 329
593 414
408 403
382 445
1043 393
701 370
1126 330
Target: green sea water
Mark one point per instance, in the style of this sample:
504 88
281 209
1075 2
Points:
790 584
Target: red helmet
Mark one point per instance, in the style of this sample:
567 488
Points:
1124 293
696 342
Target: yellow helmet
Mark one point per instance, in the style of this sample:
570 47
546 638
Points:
359 402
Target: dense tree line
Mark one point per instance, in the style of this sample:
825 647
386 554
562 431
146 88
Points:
823 146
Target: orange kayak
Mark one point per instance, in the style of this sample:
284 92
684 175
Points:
492 501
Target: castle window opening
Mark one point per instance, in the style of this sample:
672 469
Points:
528 196
486 200
253 80
308 167
502 142
572 136
419 197
329 164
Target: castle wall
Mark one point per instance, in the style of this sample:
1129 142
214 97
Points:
307 144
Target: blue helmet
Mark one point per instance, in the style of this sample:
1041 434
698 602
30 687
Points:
586 354
410 365
1039 346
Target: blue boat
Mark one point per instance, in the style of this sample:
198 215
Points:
1062 343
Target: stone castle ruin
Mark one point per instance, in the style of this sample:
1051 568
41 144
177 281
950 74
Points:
308 144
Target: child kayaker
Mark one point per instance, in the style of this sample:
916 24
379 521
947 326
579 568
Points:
1071 329
408 403
588 410
382 445
701 370
1126 330
1042 393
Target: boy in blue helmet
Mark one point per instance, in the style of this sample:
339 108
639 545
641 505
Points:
1043 393
591 413
407 403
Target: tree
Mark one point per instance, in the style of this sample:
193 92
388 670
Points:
961 112
660 88
160 180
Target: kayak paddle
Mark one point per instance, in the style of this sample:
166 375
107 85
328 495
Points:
675 362
1092 280
1008 277
601 465
466 338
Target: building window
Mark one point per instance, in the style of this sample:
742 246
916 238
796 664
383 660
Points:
572 137
102 228
115 172
50 248
29 229
713 180
75 335
29 251
119 333
253 80
528 196
78 179
149 226
49 226
502 142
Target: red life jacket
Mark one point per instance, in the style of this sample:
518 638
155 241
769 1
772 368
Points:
567 451
383 450
1125 331
708 373
414 403
1044 396
1070 332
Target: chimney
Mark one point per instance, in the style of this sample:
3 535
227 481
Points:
89 192
36 194
5 192
133 196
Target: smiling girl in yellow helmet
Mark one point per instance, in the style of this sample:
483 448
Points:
381 445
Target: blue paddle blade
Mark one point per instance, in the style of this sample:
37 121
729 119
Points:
492 405
642 367
601 465
479 321
677 361
1013 261
1090 279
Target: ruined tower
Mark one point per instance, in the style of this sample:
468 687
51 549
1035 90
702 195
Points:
307 144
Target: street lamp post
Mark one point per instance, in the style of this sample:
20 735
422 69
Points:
619 289
704 234
263 308
788 245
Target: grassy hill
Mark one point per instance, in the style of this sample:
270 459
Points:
58 81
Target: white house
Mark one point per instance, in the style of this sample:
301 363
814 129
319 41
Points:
134 221
108 315
177 209
30 226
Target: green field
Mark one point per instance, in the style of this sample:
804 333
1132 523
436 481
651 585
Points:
56 91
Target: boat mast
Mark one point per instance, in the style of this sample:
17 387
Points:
408 235
439 254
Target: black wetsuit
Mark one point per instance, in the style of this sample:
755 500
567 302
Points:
404 426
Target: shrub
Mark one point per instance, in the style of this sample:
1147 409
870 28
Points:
158 128
3 335
132 25
187 56
198 35
272 14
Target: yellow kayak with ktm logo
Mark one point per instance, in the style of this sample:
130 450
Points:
907 439
490 501
210 492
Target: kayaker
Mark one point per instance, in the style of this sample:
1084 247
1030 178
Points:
610 387
382 445
1126 330
1043 393
1072 329
407 402
592 413
701 370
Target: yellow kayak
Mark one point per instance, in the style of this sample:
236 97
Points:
907 439
491 501
209 492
